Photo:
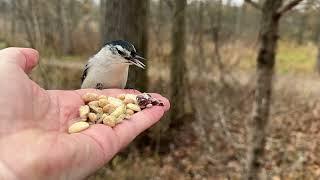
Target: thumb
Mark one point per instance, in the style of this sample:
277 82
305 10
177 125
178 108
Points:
25 58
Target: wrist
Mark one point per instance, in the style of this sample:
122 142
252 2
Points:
6 173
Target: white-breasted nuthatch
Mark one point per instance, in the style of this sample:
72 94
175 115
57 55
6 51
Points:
109 67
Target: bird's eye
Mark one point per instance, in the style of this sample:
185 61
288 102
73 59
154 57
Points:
120 52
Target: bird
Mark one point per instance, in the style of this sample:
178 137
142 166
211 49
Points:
109 67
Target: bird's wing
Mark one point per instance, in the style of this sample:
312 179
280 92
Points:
85 72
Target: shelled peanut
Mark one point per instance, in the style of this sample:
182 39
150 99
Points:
110 110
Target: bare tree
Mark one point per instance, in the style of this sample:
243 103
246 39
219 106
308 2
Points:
272 11
64 30
127 20
178 64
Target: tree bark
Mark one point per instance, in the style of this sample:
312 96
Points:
199 39
302 28
265 69
178 65
64 28
128 20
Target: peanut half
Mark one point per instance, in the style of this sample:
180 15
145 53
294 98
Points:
78 126
90 97
133 107
84 111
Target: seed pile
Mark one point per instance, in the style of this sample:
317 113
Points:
110 110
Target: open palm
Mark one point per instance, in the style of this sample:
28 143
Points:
33 126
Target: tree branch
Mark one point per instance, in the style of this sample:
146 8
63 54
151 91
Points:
253 4
288 7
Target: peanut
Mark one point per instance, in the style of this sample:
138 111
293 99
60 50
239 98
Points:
109 121
114 101
103 102
84 111
129 112
94 103
128 101
112 109
133 107
90 97
120 118
102 97
133 97
96 109
121 96
92 117
78 126
107 107
120 110
100 118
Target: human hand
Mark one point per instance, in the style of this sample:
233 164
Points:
33 126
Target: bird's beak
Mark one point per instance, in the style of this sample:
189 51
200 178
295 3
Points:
136 61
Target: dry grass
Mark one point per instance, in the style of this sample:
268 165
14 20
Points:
291 58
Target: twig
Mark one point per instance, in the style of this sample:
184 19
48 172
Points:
253 4
288 7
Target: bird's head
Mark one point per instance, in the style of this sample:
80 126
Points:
122 52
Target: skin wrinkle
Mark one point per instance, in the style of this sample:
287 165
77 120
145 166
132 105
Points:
118 139
63 124
36 90
99 145
55 140
74 155
25 62
7 166
53 101
123 144
75 111
114 140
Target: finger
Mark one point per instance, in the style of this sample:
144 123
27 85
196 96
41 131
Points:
25 58
162 99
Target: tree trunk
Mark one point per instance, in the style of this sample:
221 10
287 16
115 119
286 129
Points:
127 20
302 27
178 65
64 28
200 31
241 19
13 20
265 70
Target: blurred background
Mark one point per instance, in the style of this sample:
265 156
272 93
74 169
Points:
200 54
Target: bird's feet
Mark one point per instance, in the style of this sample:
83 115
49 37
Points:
99 86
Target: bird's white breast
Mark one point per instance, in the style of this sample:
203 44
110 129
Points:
110 76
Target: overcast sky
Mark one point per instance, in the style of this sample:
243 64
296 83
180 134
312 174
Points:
238 2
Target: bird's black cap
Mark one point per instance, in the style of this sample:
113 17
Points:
125 44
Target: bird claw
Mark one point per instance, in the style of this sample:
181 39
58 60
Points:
99 86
